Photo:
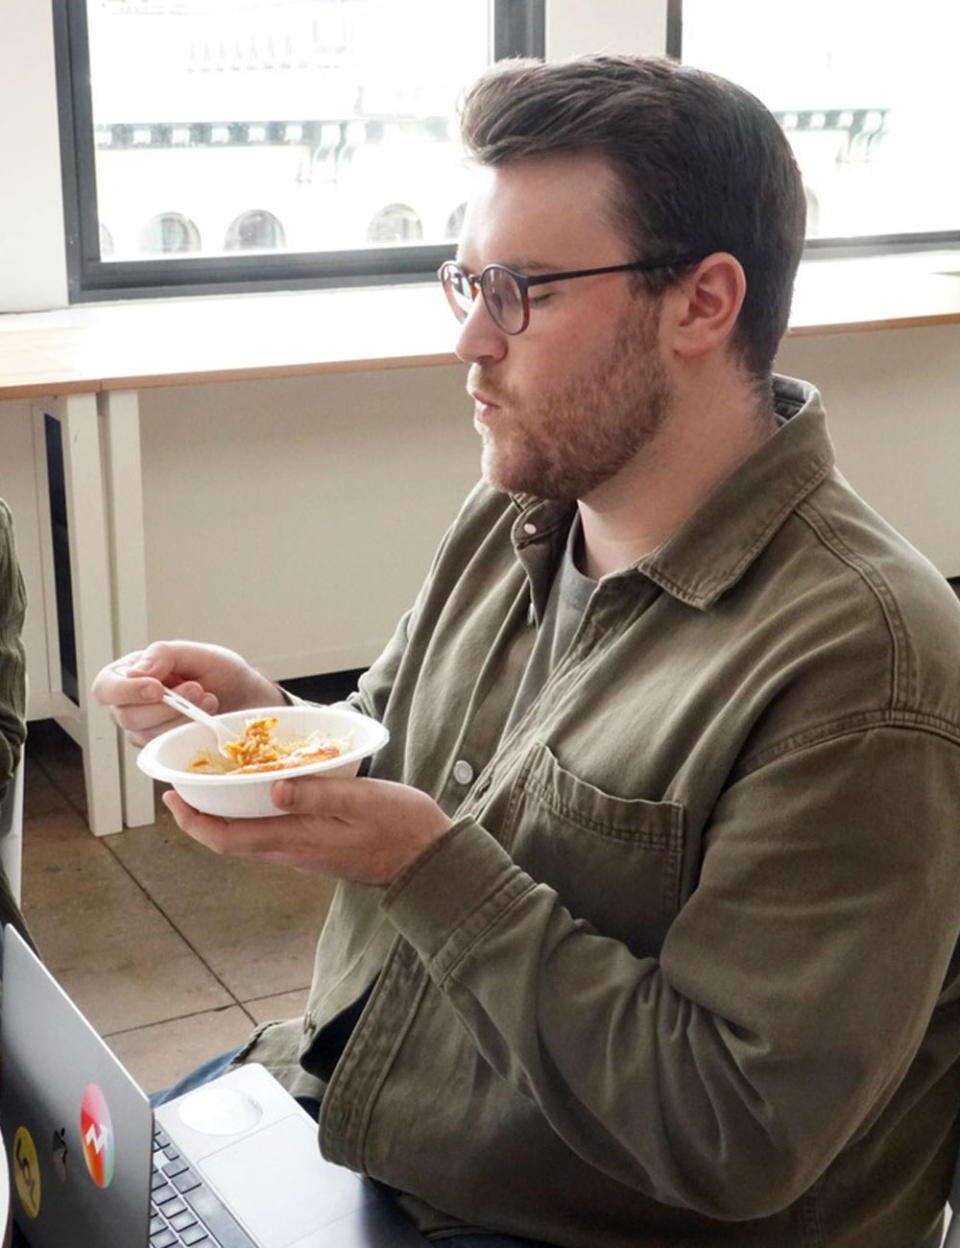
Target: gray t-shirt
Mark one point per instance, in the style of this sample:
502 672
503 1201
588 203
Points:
569 595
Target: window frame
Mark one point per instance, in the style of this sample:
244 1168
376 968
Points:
847 245
518 30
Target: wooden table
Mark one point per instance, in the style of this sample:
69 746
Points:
83 369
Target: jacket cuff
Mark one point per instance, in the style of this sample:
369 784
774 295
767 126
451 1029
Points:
453 894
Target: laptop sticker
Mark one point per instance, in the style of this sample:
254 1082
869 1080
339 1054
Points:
26 1172
96 1134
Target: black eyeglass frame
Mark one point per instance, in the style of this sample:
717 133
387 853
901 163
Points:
475 282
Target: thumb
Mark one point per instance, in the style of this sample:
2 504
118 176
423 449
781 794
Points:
157 660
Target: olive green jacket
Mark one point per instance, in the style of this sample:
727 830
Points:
13 680
12 663
684 970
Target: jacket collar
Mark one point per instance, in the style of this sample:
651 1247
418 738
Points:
713 548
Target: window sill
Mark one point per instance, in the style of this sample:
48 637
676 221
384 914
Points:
135 345
895 291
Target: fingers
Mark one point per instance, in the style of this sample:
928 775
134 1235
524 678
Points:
280 840
215 678
316 795
158 660
363 830
133 687
136 677
145 719
207 829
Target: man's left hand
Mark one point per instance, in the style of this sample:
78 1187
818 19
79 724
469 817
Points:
368 831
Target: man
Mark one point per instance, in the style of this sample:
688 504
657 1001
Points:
646 931
12 663
13 690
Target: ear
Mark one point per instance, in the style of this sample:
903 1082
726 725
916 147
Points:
706 306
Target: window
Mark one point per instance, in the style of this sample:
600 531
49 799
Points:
255 231
268 142
455 221
399 223
867 95
169 233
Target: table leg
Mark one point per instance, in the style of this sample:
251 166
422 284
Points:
69 431
120 429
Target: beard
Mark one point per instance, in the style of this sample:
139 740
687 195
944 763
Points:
565 443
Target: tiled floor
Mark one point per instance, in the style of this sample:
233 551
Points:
172 952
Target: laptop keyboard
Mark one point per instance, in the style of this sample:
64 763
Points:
183 1209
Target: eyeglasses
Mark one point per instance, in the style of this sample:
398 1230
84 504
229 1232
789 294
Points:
506 292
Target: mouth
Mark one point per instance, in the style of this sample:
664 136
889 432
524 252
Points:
483 405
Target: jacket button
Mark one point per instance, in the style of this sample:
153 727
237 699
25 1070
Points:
530 528
462 771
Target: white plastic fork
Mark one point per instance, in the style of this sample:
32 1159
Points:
223 734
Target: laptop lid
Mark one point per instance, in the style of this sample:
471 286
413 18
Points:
77 1128
79 1136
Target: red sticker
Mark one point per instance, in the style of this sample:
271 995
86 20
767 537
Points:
96 1133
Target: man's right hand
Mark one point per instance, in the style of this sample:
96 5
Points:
212 677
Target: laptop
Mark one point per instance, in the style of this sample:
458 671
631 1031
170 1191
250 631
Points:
234 1163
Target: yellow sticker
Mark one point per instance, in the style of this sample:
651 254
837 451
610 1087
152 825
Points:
26 1172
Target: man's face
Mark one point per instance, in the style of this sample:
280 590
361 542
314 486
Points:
564 406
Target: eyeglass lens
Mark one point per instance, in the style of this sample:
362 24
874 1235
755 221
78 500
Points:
503 298
501 294
458 290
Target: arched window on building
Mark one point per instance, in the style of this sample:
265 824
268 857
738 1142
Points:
256 230
397 223
455 222
169 233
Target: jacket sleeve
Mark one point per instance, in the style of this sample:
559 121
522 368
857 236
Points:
12 661
792 991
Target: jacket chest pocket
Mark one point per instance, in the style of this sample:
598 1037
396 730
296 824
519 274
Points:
614 862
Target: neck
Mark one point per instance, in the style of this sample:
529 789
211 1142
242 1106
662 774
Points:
702 440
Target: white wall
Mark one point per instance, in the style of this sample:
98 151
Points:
574 27
312 505
893 399
32 261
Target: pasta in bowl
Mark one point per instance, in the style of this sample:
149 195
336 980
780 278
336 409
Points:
268 742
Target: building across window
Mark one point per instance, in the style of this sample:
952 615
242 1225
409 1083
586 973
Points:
170 233
455 221
294 142
866 94
255 231
397 223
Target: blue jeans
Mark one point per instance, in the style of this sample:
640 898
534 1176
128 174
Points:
218 1065
196 1078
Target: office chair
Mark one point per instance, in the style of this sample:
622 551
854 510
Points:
11 831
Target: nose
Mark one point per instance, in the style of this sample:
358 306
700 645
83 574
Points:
480 337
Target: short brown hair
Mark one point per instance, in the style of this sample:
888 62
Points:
702 164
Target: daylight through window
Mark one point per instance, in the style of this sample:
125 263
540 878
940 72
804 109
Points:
301 127
867 94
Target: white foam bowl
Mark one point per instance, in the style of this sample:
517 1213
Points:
232 796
